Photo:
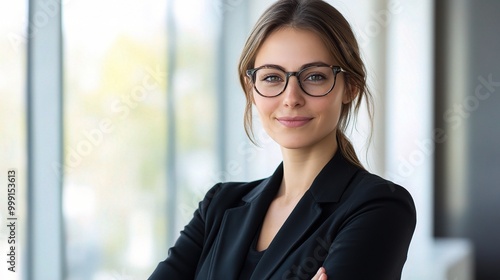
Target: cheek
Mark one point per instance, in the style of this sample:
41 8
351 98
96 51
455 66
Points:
264 107
332 110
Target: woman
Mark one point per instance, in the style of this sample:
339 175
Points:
321 215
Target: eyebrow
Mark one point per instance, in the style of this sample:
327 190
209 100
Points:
316 63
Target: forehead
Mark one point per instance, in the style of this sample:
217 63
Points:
292 48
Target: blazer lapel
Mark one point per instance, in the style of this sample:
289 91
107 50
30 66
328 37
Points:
328 187
239 227
288 237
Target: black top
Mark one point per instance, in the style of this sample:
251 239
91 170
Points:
353 223
253 258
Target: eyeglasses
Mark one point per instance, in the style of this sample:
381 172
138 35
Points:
315 80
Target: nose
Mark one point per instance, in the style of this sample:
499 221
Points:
293 96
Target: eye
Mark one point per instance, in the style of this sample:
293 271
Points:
315 78
272 79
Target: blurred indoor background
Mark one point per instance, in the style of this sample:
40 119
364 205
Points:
117 117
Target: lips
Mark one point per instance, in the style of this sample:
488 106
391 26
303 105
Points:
294 121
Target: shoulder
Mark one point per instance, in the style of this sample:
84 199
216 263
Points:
236 190
366 183
368 191
229 194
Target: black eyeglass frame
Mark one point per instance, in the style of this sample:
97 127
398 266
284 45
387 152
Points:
336 69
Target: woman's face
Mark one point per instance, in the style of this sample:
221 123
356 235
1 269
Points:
294 119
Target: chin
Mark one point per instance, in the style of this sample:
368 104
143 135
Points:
294 144
307 141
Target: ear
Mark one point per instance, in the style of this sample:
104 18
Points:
350 93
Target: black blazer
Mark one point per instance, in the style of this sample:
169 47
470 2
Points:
355 224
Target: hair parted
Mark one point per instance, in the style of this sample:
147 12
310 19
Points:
336 33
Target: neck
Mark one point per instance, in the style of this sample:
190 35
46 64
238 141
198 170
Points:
302 166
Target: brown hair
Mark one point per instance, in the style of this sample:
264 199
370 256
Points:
336 33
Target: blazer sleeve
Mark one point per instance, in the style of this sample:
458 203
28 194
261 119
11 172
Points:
184 256
373 241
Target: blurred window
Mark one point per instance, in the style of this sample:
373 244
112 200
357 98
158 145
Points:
13 44
126 65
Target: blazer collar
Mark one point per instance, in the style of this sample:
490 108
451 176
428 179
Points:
271 184
238 229
328 186
333 179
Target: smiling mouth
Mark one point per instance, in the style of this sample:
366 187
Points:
294 121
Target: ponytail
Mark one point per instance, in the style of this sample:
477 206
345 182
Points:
347 149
